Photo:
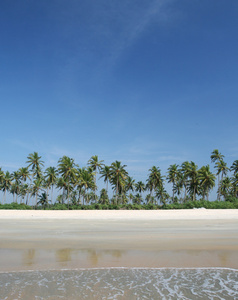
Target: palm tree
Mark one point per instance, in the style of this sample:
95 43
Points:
137 199
34 161
106 174
234 182
234 167
130 184
207 180
24 175
68 171
6 184
118 176
216 157
62 185
50 180
103 199
225 187
173 176
95 164
155 179
140 187
16 184
86 181
184 177
193 179
222 168
162 195
24 189
36 187
43 200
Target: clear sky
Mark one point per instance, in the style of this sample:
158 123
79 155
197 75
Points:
147 83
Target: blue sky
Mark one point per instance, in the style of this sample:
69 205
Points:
145 82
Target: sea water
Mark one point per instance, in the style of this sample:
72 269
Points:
121 283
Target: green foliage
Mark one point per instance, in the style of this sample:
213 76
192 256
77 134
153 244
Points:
202 204
15 205
231 199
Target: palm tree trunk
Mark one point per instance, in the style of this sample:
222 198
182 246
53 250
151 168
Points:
173 192
95 180
68 197
185 193
117 191
218 196
52 194
4 197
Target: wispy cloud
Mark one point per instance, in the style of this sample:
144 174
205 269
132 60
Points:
110 29
133 20
10 166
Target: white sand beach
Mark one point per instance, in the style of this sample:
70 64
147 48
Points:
43 240
188 214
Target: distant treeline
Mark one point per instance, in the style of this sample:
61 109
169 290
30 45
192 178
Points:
33 186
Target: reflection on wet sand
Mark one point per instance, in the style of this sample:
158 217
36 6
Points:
92 244
28 257
69 258
63 255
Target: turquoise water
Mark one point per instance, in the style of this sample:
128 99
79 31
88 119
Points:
121 283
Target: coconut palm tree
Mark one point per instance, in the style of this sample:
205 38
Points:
43 200
67 169
24 174
50 180
36 187
6 184
137 199
173 176
216 157
34 161
24 190
140 187
130 184
103 199
225 187
184 177
161 194
193 179
207 180
118 176
155 179
106 174
234 167
222 169
234 182
16 184
95 165
87 182
62 184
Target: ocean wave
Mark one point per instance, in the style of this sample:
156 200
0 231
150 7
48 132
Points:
121 283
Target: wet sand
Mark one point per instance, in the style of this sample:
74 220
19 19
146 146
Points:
44 240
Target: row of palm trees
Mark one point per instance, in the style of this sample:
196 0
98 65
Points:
77 185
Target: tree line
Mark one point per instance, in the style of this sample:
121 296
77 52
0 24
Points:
34 185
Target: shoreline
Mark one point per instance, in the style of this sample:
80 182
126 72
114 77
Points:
47 240
184 214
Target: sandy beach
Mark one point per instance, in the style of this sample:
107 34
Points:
44 240
188 214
